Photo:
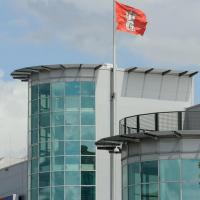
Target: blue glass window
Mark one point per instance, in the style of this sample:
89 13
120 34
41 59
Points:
57 119
88 133
72 133
58 148
87 163
134 173
34 92
72 103
34 122
44 120
72 163
44 193
34 180
57 193
72 178
34 151
34 194
34 166
44 179
44 164
87 88
57 178
44 149
88 178
87 102
73 192
134 192
44 135
72 148
72 118
57 89
149 191
57 104
88 193
88 148
170 191
58 133
34 107
44 105
88 118
34 136
191 191
58 163
72 88
44 90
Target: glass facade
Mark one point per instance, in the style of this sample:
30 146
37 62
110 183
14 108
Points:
61 141
161 180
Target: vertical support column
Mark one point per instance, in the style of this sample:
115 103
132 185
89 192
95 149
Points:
180 121
138 123
156 122
125 129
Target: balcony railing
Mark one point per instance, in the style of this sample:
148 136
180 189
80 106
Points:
160 121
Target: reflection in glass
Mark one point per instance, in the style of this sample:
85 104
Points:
44 105
149 192
34 136
88 88
34 122
57 104
44 149
88 148
44 164
44 90
57 89
88 193
34 92
57 193
34 151
34 166
87 118
58 133
72 148
87 163
72 132
72 88
34 180
57 119
72 103
88 133
169 170
134 192
72 163
44 120
87 102
191 191
34 107
58 148
34 194
149 171
57 178
72 118
73 192
58 163
134 173
194 170
44 135
44 179
44 193
170 191
72 178
88 178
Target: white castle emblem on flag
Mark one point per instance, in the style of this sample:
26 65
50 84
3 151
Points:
130 16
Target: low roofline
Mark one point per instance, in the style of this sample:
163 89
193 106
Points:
24 74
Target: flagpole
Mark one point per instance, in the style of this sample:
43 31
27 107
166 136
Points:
113 108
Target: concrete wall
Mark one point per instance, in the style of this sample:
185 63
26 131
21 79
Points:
13 180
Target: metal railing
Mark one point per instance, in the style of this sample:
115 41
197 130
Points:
160 121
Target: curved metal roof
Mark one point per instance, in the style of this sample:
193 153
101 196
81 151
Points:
24 74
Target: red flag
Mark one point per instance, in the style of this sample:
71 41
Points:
129 19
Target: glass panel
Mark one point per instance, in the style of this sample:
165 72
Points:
88 178
58 133
88 193
87 163
34 107
72 163
45 164
134 173
44 193
149 171
57 193
88 88
88 103
88 148
72 103
34 122
44 90
169 191
44 120
72 118
44 135
44 149
58 148
124 176
34 194
88 133
34 136
194 170
169 170
57 119
134 192
88 118
57 178
58 163
57 104
34 180
34 166
44 179
34 151
44 105
73 193
191 191
72 88
72 133
72 178
72 148
57 89
149 192
34 92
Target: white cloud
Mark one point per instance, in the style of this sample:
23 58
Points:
13 118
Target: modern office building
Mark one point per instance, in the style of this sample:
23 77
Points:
69 109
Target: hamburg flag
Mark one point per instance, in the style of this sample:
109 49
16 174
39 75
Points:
129 19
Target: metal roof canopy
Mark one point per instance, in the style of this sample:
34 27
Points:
24 74
110 143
